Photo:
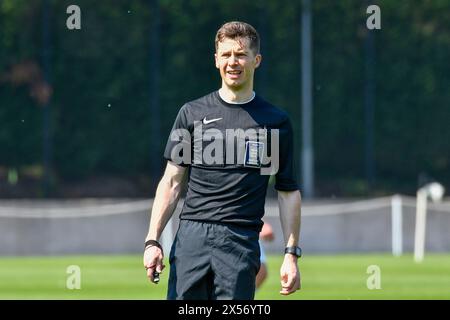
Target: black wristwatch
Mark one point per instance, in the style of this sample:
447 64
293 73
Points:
152 243
296 251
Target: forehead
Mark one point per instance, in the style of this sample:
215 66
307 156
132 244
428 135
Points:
227 44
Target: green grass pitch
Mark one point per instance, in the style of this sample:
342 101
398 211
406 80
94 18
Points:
323 277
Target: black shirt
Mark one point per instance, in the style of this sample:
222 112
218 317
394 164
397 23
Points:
232 188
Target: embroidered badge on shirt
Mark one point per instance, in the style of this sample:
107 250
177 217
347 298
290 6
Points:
253 153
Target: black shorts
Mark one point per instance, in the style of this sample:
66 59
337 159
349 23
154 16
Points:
213 261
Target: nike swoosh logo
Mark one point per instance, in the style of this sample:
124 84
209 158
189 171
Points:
209 121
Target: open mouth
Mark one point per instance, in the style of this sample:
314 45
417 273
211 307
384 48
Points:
234 73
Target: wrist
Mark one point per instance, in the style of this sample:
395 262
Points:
295 251
152 243
291 257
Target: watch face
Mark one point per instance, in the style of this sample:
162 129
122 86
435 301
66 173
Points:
294 250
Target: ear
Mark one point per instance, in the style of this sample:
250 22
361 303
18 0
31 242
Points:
216 61
258 59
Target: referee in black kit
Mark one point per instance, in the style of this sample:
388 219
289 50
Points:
222 142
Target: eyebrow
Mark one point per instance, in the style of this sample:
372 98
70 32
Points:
237 51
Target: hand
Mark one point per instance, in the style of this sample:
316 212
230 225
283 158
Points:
153 261
290 275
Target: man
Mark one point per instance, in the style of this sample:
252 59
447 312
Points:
215 254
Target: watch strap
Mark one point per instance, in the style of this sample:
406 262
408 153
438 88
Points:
151 243
296 251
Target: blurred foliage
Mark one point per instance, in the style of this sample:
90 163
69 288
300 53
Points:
100 83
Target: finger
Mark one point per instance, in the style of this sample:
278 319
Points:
283 283
150 265
296 284
160 267
288 283
292 289
287 292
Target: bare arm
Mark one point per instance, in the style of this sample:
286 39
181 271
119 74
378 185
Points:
166 199
290 215
164 204
289 203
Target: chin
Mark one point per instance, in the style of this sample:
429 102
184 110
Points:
234 83
235 86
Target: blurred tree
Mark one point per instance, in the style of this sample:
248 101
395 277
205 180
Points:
101 79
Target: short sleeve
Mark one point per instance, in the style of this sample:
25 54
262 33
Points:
285 177
178 147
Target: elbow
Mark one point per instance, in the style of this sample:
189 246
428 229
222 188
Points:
290 195
170 184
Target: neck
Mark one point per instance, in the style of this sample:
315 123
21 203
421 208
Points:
236 96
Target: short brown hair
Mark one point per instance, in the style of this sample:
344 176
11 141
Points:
238 30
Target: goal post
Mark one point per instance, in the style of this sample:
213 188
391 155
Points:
435 192
397 225
421 213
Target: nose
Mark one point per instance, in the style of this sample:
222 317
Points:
232 60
